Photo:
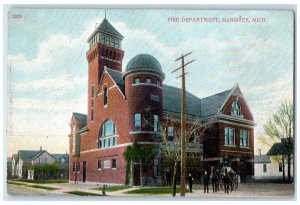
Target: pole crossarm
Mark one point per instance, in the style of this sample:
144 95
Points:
182 56
183 65
182 75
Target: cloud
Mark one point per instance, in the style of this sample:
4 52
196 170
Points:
60 68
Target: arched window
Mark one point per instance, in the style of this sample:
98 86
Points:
105 96
107 135
235 109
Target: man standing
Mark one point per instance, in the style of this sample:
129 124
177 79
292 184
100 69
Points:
206 181
168 177
190 181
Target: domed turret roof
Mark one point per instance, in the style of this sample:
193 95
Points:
144 61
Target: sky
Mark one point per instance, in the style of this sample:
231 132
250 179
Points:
47 48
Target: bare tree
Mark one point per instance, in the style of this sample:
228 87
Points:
171 148
280 129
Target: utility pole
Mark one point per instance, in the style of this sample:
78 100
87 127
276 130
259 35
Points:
183 122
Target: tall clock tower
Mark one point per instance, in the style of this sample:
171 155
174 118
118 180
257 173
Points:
105 49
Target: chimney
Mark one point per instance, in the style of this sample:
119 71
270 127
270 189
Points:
259 152
41 148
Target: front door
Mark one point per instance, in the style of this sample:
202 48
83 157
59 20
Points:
84 172
136 174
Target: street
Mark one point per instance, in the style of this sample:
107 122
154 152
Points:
257 190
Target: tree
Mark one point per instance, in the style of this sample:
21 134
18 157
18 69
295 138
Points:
279 129
138 153
171 148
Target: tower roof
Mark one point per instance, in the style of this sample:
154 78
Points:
107 28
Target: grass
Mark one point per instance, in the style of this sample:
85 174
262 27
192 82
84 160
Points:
15 183
33 186
43 187
152 191
112 188
50 181
82 193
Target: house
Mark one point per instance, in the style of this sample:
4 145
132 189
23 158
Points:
268 168
22 162
28 158
9 168
127 107
62 160
14 167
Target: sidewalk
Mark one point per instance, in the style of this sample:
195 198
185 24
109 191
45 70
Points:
244 190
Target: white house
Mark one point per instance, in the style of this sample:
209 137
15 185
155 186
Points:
268 168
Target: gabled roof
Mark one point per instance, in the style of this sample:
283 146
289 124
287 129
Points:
279 148
117 77
80 118
211 105
172 101
262 159
58 157
106 27
29 154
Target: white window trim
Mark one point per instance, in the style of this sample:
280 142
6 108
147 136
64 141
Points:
229 145
107 137
147 84
242 146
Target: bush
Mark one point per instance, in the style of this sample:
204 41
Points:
46 171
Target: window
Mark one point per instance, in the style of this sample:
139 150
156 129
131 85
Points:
148 80
244 138
158 82
63 160
73 166
74 138
92 102
235 109
92 115
155 123
170 133
114 164
78 166
280 166
99 164
107 135
137 81
154 97
137 121
229 136
105 96
92 90
264 167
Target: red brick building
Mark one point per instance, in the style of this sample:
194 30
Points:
119 102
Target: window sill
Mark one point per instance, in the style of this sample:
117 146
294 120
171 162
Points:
99 169
105 106
227 145
114 168
245 147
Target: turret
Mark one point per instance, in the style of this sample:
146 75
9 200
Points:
143 87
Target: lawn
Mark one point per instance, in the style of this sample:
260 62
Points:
152 191
82 193
15 183
43 187
112 188
49 181
32 186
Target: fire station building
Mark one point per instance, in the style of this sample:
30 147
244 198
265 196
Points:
118 103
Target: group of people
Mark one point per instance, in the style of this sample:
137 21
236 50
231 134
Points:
219 178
